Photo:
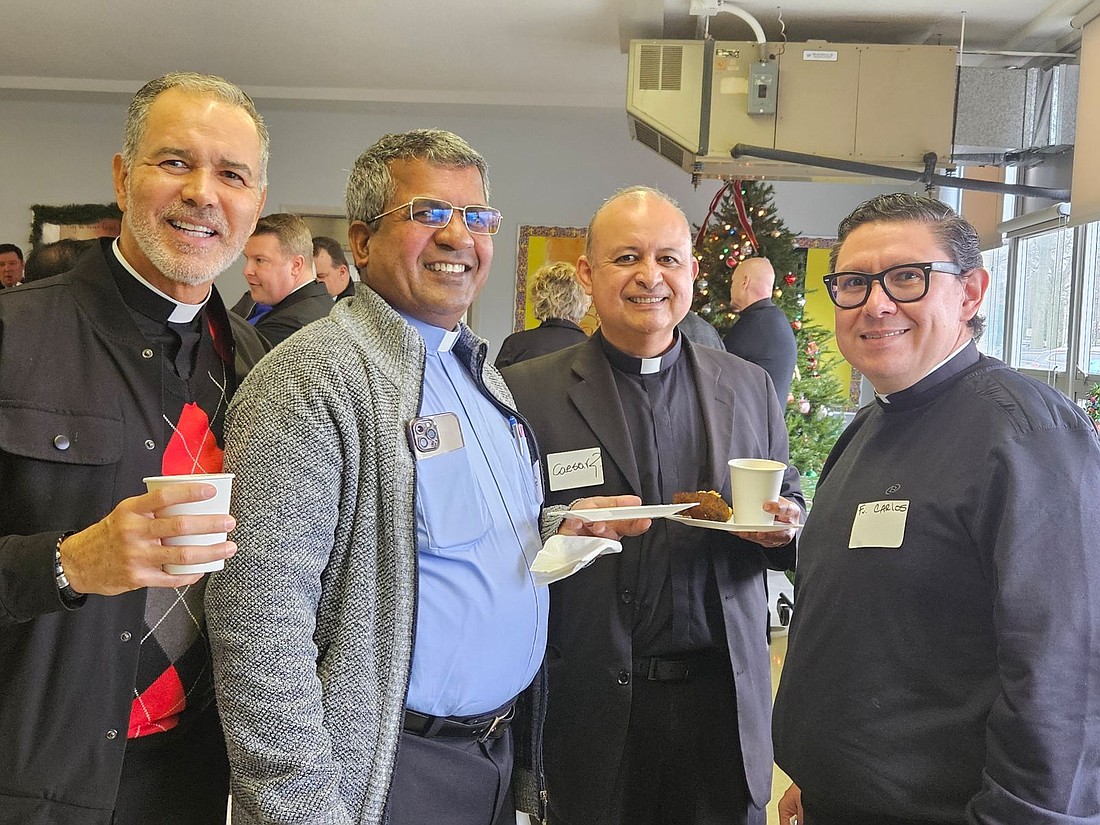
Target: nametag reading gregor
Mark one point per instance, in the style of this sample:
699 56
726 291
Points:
577 468
879 524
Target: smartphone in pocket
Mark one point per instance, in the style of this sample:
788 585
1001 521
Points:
432 435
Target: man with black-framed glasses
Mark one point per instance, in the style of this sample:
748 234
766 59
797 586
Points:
378 648
940 668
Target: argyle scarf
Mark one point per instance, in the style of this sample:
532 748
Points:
173 675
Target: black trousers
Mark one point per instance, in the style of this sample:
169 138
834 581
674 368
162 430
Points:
453 780
818 812
180 777
682 764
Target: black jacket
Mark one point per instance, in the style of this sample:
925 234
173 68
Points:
763 335
80 426
297 309
550 336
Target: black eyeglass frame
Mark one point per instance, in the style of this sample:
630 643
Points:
452 207
927 267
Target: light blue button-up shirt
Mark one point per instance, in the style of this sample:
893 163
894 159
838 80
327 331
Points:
481 621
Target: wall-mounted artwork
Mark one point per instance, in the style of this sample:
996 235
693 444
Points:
538 246
78 221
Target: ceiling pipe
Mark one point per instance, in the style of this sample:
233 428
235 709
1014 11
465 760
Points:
754 24
1057 8
927 177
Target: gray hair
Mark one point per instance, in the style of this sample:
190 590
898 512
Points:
137 116
291 232
555 293
370 184
955 233
631 191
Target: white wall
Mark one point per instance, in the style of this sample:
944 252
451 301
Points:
548 166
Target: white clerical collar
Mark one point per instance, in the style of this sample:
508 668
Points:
632 364
885 399
436 339
181 313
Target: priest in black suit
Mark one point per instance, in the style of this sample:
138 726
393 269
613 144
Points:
659 681
283 293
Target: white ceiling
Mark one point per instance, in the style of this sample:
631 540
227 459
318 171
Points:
520 52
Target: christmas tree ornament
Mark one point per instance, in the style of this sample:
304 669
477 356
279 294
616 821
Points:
789 279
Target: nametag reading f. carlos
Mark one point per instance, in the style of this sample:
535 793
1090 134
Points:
577 468
879 524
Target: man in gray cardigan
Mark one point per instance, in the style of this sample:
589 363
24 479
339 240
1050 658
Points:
379 643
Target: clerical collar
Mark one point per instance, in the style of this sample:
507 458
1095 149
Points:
641 366
436 339
181 313
956 362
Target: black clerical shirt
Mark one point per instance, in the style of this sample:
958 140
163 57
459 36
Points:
678 609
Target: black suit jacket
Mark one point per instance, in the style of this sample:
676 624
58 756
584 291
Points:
569 400
764 336
297 309
550 336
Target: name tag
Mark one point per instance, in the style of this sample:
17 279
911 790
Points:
879 524
577 468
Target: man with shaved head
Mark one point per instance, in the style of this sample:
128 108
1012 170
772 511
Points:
659 705
762 333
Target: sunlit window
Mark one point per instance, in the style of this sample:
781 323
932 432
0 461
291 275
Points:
1089 357
1043 267
993 307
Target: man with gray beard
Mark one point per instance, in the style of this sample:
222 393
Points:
107 713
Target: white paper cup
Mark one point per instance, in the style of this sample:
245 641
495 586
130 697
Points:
752 482
217 505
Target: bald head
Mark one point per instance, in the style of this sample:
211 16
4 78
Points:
636 195
752 281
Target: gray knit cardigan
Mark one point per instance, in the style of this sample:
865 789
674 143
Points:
312 622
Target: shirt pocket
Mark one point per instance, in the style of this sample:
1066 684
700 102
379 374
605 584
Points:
449 503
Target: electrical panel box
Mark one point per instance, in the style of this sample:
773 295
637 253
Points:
763 84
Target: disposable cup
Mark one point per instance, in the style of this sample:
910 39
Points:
219 504
752 482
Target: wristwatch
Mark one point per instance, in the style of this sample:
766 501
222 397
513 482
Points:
69 596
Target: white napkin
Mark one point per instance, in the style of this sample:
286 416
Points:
562 556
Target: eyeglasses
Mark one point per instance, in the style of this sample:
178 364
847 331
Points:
480 220
903 284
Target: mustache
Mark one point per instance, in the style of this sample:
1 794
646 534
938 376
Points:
207 216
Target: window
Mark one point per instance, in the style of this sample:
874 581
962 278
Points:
1044 265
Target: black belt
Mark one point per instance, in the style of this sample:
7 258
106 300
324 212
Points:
482 729
679 669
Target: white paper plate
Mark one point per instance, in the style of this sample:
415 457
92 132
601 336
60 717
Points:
730 527
639 511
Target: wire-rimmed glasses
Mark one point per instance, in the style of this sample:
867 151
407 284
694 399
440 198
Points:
480 220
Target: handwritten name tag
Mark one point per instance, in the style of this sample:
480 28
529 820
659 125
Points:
879 524
577 468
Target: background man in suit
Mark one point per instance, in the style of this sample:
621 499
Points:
119 369
660 703
284 294
763 333
11 265
331 266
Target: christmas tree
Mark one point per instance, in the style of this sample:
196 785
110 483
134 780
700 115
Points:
743 223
